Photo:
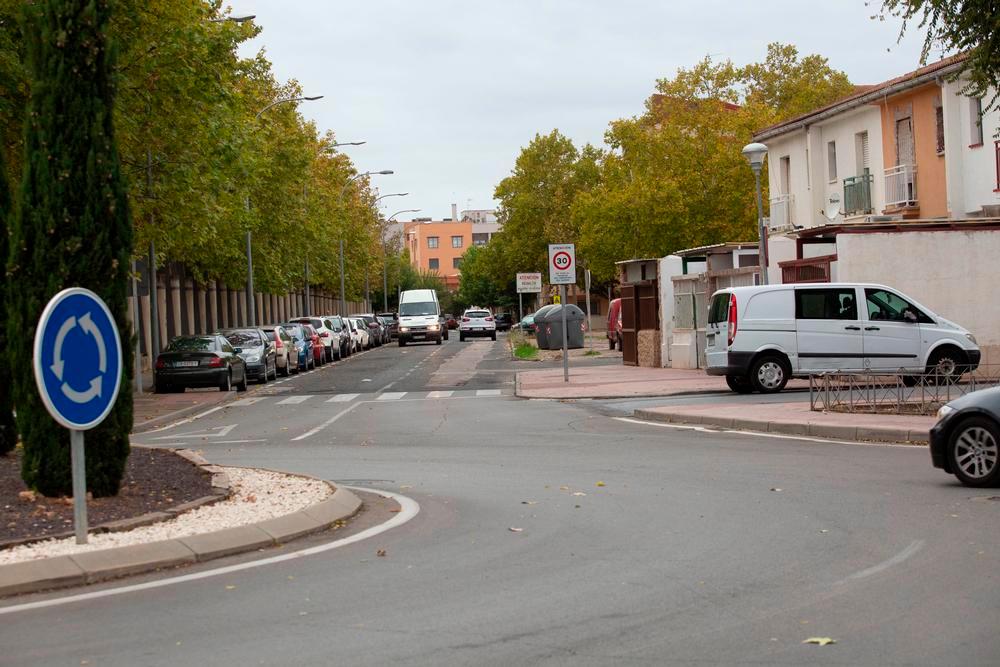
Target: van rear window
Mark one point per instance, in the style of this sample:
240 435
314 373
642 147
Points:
719 310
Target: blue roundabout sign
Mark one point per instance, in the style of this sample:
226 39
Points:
78 360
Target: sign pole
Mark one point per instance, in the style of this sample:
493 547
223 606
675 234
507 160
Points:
79 469
586 280
520 306
562 298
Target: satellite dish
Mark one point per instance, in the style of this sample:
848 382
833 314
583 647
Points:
833 208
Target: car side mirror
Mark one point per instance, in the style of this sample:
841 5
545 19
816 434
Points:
238 350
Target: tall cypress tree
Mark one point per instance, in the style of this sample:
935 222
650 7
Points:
8 433
72 228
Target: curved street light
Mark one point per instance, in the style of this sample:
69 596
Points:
233 19
755 154
288 99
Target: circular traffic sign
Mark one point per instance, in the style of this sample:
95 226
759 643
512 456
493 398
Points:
78 359
561 260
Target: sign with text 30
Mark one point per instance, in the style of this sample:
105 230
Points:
562 264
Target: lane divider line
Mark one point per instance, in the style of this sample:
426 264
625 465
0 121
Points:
329 421
908 552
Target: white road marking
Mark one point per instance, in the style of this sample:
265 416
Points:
295 400
409 509
329 421
756 434
488 392
391 396
215 432
343 398
440 394
186 421
908 552
248 401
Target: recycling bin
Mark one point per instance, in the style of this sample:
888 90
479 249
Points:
574 327
541 323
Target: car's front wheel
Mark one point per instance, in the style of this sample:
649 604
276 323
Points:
974 448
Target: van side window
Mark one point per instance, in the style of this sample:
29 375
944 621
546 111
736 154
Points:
886 306
825 304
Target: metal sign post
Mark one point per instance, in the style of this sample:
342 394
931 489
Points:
79 389
586 282
562 272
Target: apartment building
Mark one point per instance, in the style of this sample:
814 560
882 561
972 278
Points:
438 245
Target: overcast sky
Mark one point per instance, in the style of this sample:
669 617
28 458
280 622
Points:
447 92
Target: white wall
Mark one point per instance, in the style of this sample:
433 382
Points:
671 265
793 146
781 248
953 273
842 130
972 170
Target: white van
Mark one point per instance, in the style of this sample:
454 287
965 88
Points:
419 316
759 337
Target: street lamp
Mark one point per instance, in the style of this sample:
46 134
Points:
385 253
343 191
755 154
233 19
251 298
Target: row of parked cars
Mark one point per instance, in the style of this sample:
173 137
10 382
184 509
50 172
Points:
232 357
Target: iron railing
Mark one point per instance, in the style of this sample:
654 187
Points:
858 194
901 185
887 393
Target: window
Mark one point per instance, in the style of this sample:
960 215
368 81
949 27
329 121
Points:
831 161
719 310
456 263
825 304
888 307
939 124
432 241
480 239
975 121
456 241
862 155
433 263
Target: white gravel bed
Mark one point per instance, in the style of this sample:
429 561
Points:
258 495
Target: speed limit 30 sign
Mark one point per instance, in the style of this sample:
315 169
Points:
562 264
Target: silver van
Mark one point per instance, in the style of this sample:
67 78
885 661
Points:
759 337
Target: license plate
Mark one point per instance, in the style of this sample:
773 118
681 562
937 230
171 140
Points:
185 364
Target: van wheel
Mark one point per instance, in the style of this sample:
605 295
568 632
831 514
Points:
769 373
739 383
947 365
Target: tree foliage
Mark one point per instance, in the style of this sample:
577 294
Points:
969 26
8 431
72 228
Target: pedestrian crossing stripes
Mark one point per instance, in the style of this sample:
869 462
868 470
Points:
249 401
294 400
342 398
488 392
440 394
386 396
391 395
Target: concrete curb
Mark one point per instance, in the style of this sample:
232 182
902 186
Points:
831 431
90 567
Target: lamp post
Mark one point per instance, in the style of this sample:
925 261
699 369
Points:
385 257
343 191
755 154
251 298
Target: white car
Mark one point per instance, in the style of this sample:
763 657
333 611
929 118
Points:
364 337
759 337
477 322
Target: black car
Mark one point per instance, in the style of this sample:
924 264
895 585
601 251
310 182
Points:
199 361
256 350
503 321
966 438
390 320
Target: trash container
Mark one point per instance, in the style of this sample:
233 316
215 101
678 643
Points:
541 322
574 327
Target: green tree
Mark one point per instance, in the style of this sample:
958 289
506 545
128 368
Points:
72 228
969 26
8 430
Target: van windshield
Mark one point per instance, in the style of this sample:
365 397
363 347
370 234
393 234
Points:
418 308
719 310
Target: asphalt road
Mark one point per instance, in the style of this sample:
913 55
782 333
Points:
635 543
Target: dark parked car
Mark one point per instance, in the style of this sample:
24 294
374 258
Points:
503 321
199 361
256 350
527 324
377 330
450 321
966 439
390 320
303 344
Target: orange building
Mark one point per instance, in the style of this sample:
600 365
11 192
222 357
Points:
438 246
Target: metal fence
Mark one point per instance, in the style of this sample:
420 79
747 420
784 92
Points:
903 393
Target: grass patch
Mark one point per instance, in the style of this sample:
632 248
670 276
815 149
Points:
591 353
525 351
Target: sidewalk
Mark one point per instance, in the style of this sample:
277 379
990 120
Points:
621 382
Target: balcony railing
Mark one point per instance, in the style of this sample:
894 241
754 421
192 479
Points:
781 211
858 195
810 270
901 185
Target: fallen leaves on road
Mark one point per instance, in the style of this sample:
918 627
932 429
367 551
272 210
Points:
516 530
230 587
380 553
600 484
529 502
579 493
821 641
775 488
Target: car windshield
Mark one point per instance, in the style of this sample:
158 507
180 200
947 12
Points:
192 344
243 338
417 308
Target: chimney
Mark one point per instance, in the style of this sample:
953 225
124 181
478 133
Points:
454 212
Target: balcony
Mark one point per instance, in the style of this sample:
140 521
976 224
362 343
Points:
858 195
901 186
781 212
810 270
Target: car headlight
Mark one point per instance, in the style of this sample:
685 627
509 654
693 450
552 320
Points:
434 327
944 411
972 339
252 358
404 329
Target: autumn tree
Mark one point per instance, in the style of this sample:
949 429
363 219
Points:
8 430
72 228
969 26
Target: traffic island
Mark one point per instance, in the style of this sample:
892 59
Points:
796 419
